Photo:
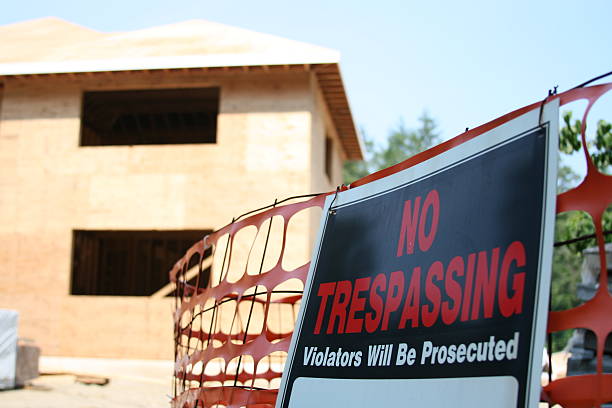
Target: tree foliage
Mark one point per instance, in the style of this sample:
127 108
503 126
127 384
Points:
401 144
600 148
578 224
356 169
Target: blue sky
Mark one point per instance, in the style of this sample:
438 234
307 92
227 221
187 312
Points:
465 62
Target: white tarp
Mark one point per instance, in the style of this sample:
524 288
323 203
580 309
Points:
8 347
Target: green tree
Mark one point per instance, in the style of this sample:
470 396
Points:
356 169
600 148
566 177
401 144
578 224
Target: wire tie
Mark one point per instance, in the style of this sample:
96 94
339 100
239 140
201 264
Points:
331 210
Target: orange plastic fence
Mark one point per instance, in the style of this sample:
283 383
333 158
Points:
593 196
237 365
240 363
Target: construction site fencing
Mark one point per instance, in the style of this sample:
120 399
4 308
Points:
236 305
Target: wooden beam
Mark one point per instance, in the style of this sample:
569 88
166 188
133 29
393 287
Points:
190 274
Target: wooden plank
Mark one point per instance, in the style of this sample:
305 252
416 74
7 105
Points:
91 379
190 274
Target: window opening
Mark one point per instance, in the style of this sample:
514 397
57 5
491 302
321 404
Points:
329 148
127 263
144 117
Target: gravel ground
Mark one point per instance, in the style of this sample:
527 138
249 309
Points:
132 384
61 391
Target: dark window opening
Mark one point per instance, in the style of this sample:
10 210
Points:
329 149
128 263
168 116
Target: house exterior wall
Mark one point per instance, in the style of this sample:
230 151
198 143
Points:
322 128
270 132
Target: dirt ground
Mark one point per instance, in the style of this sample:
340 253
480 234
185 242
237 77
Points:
131 384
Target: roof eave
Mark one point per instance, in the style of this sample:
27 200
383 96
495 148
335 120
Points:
332 86
326 68
154 63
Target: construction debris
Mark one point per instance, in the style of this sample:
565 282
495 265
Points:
91 380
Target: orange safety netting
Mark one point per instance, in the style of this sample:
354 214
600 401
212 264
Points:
229 351
593 196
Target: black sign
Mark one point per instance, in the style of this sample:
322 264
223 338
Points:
435 278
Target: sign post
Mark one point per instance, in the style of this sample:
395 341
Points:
430 286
